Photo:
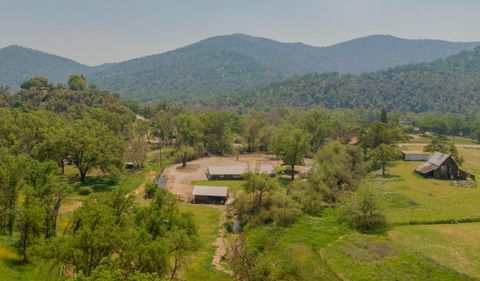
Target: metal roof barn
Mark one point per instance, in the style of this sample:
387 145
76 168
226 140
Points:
236 171
216 191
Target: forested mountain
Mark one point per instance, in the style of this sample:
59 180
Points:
18 64
446 85
186 74
227 64
224 65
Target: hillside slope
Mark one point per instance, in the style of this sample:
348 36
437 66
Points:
226 64
18 64
447 85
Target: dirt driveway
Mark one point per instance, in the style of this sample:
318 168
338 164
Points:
179 180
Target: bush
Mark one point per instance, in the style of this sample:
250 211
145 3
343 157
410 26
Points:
228 225
85 190
361 212
284 210
150 190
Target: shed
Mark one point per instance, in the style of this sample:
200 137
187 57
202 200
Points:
415 156
442 166
236 171
210 194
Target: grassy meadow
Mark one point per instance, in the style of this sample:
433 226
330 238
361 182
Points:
327 250
207 219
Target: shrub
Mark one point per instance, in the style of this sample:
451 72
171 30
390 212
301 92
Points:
85 190
150 190
361 212
228 225
284 210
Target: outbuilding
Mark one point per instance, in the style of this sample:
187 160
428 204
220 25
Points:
415 156
442 166
235 172
210 194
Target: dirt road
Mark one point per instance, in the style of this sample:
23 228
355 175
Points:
424 144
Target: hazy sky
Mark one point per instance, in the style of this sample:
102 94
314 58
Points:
98 31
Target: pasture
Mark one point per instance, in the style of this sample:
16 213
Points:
406 196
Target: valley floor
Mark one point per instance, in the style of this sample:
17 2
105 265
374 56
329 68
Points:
323 248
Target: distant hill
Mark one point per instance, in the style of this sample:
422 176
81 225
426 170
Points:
446 85
18 64
225 64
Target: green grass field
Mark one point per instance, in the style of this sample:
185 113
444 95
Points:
200 264
324 249
406 196
428 138
456 246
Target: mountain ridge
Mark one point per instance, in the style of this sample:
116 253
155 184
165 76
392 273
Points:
445 85
225 64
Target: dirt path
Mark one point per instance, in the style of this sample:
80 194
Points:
424 144
221 244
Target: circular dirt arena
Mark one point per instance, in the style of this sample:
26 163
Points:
179 179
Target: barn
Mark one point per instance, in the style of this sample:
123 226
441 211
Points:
415 156
210 194
235 172
442 166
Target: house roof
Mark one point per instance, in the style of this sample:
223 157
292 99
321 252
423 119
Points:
216 191
438 158
240 169
426 168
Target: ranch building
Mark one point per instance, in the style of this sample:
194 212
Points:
210 194
236 172
442 166
415 156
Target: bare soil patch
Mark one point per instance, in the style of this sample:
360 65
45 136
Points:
179 179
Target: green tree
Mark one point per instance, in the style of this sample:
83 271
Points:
218 131
255 121
383 116
77 82
293 143
50 189
384 154
379 133
35 83
188 137
92 145
29 223
337 168
11 180
362 211
163 130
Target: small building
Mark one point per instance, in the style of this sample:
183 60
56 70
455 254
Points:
415 156
129 165
236 172
210 194
442 166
